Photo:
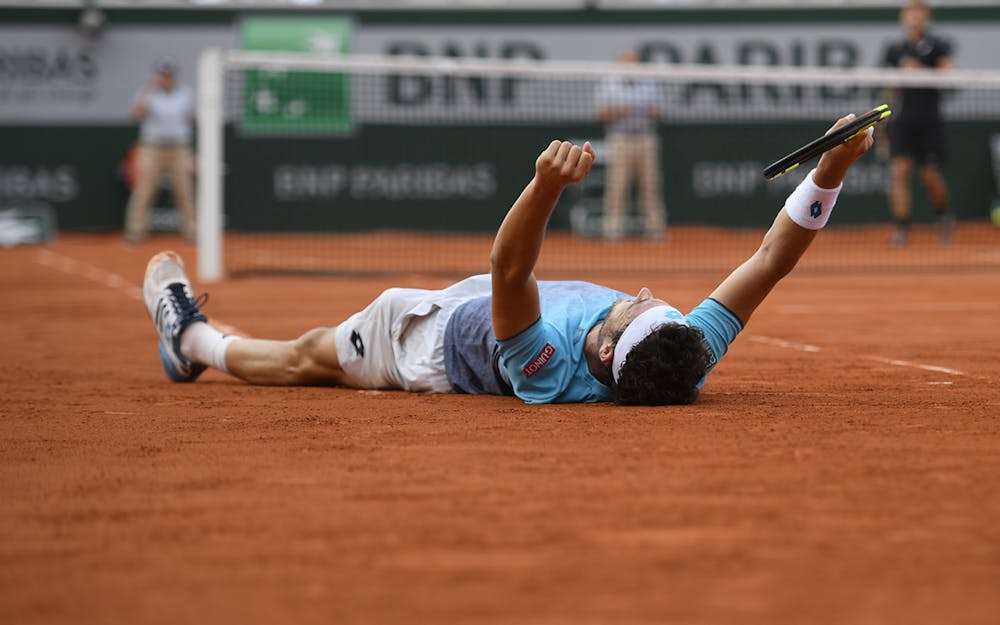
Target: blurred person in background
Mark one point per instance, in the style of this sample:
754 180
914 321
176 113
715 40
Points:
916 130
165 110
630 111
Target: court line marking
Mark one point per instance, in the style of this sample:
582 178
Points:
916 365
896 362
72 266
117 282
768 340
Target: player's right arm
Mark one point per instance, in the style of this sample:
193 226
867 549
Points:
519 239
786 241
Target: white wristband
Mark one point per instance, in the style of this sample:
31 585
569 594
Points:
809 205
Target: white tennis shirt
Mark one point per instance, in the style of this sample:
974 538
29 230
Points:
168 116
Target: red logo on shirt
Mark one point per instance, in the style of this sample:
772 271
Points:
540 361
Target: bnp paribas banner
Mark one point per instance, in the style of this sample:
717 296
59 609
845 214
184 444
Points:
334 101
829 45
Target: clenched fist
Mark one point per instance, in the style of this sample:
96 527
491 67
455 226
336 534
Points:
563 163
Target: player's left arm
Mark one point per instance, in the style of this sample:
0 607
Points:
786 241
519 239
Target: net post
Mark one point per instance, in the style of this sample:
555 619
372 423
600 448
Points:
210 165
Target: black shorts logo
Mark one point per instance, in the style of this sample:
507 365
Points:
359 345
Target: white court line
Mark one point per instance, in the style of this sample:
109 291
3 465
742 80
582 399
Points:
767 340
896 362
66 264
916 365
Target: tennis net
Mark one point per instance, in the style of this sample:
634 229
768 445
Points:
361 164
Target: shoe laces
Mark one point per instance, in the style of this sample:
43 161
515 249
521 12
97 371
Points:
188 310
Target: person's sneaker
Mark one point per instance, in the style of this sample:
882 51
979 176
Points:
946 227
899 237
171 305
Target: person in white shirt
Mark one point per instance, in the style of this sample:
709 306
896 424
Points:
630 109
165 110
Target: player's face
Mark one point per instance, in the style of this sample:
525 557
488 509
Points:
625 310
914 20
165 80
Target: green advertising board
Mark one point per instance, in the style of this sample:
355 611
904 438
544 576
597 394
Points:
283 102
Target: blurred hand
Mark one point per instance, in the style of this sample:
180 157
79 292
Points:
563 163
833 165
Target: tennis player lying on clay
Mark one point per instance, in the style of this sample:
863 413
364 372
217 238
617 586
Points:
507 333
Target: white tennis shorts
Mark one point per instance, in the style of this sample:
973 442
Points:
397 341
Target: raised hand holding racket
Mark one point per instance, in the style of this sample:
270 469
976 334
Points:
834 163
836 136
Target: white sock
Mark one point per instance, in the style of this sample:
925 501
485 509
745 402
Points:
205 345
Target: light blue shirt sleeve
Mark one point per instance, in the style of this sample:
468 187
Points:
538 363
719 325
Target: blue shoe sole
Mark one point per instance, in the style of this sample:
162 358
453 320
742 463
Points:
171 371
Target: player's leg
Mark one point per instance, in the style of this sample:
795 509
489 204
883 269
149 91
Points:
936 186
650 183
932 177
188 344
309 359
899 198
904 149
147 181
180 180
617 174
937 190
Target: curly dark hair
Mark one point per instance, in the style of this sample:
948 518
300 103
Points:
664 368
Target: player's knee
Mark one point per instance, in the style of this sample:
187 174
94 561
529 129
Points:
306 364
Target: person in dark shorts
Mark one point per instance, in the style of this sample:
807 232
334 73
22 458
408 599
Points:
916 131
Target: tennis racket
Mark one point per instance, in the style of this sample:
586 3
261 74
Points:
827 142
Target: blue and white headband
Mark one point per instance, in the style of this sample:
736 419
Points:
641 327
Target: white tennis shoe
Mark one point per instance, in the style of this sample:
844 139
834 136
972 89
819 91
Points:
171 305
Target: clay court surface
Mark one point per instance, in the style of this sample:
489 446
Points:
841 466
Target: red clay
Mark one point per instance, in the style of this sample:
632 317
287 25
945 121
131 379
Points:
687 248
841 466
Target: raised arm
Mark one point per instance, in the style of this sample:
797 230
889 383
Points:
519 239
786 241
